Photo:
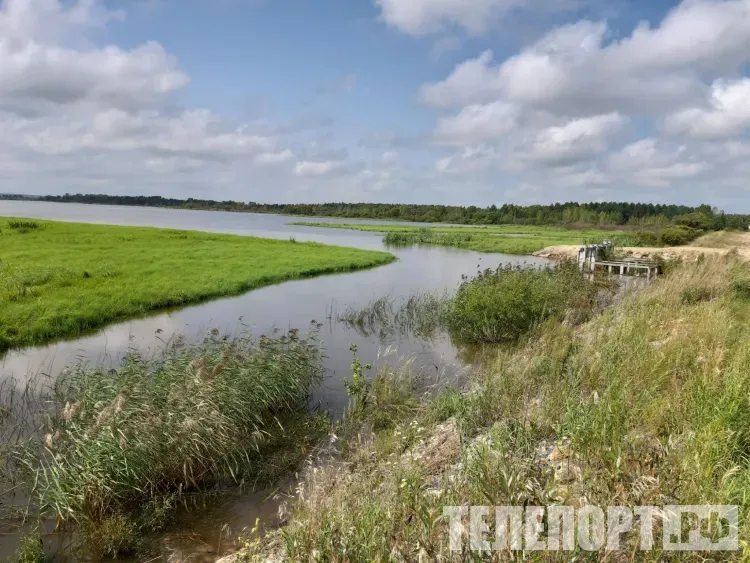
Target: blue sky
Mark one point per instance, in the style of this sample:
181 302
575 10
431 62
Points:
430 101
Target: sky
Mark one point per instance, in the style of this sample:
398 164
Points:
456 102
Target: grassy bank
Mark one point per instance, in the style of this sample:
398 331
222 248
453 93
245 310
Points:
514 239
117 451
643 405
63 279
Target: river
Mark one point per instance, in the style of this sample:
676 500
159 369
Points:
291 304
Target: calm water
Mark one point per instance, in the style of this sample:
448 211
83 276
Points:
288 305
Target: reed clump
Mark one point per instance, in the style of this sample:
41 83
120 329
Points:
120 448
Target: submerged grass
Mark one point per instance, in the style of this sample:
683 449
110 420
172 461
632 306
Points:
63 279
643 405
119 449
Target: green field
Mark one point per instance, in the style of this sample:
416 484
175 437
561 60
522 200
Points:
506 239
64 279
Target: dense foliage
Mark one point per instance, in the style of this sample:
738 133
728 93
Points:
595 213
503 304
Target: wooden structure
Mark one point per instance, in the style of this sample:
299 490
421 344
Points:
592 256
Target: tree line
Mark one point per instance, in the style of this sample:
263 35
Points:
602 214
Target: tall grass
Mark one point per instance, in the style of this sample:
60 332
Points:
644 405
119 448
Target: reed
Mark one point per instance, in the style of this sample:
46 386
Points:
118 448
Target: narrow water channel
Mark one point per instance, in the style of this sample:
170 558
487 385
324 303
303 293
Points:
288 305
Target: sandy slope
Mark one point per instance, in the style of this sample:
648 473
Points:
713 243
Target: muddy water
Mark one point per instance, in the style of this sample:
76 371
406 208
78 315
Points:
289 305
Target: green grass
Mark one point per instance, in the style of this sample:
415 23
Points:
64 279
505 239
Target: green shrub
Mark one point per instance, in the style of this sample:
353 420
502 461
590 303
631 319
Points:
502 305
741 288
676 236
23 224
636 238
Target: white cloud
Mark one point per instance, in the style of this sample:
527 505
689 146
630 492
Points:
572 70
419 17
471 159
195 133
726 114
44 62
312 168
648 163
389 157
274 158
476 123
576 140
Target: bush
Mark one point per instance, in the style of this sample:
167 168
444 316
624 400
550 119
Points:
694 220
676 236
741 288
504 304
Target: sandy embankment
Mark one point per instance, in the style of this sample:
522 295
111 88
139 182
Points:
714 243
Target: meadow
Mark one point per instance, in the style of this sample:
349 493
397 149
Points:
504 239
64 279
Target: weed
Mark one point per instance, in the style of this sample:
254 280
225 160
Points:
30 550
24 225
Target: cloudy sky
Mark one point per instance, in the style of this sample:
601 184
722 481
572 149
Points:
417 101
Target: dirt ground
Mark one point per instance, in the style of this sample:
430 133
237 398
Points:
713 243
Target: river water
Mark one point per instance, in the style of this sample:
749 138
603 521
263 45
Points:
291 304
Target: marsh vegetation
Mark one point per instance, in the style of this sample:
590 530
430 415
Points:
111 454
